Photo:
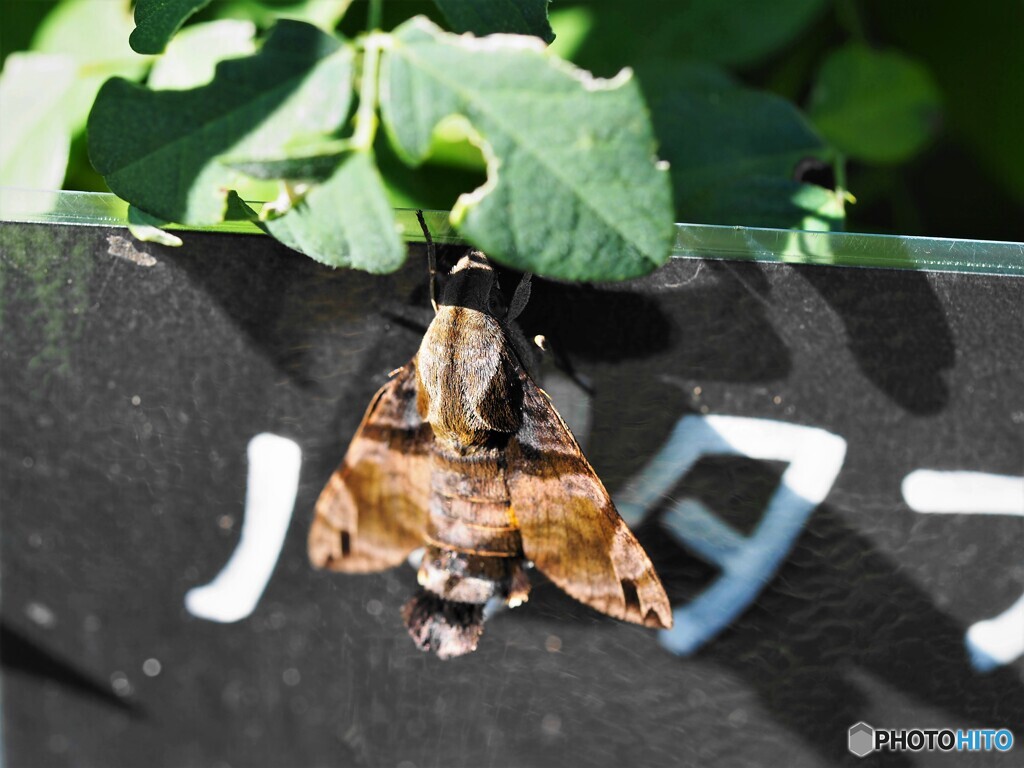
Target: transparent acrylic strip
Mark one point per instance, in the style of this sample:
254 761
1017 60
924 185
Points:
701 241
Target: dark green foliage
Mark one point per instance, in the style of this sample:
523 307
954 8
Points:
485 17
542 165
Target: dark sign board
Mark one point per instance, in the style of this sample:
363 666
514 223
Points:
826 465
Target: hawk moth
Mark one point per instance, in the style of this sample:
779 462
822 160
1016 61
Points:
462 453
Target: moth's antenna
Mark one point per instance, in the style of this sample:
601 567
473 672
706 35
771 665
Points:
431 259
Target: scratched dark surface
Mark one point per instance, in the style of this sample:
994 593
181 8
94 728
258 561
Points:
131 384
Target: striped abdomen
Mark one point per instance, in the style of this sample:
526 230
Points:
474 549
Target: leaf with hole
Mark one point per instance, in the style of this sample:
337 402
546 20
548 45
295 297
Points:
734 151
574 189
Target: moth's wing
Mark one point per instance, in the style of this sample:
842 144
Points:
569 526
372 512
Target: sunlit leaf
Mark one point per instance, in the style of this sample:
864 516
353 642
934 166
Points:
192 56
573 190
161 150
149 229
344 222
320 13
570 26
94 34
35 133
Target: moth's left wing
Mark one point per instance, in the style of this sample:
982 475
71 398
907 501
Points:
569 526
372 512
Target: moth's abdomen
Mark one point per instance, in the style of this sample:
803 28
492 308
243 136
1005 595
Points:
454 524
469 509
474 556
475 550
473 579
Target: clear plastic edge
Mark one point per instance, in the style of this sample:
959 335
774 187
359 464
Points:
692 241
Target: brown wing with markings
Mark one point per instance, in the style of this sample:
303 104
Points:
372 512
569 526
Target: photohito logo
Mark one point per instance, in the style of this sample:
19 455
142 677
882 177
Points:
863 739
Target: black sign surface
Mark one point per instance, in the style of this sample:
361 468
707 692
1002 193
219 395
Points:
826 465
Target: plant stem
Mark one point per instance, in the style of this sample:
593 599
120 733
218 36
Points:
373 15
842 193
366 114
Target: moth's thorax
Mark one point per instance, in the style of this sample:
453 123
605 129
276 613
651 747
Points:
470 284
469 390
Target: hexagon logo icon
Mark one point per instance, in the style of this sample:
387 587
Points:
861 739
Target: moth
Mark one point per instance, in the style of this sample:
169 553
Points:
461 453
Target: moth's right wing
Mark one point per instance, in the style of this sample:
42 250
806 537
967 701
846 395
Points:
569 526
373 510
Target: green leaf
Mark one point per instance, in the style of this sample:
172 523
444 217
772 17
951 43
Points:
981 87
148 229
573 190
325 14
35 134
156 21
427 187
763 201
160 150
192 56
46 95
877 106
732 33
570 26
314 163
486 17
190 61
94 34
733 151
737 32
345 222
89 31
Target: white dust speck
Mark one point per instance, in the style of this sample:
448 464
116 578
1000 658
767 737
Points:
41 615
121 684
551 725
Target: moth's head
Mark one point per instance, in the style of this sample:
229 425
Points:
471 284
